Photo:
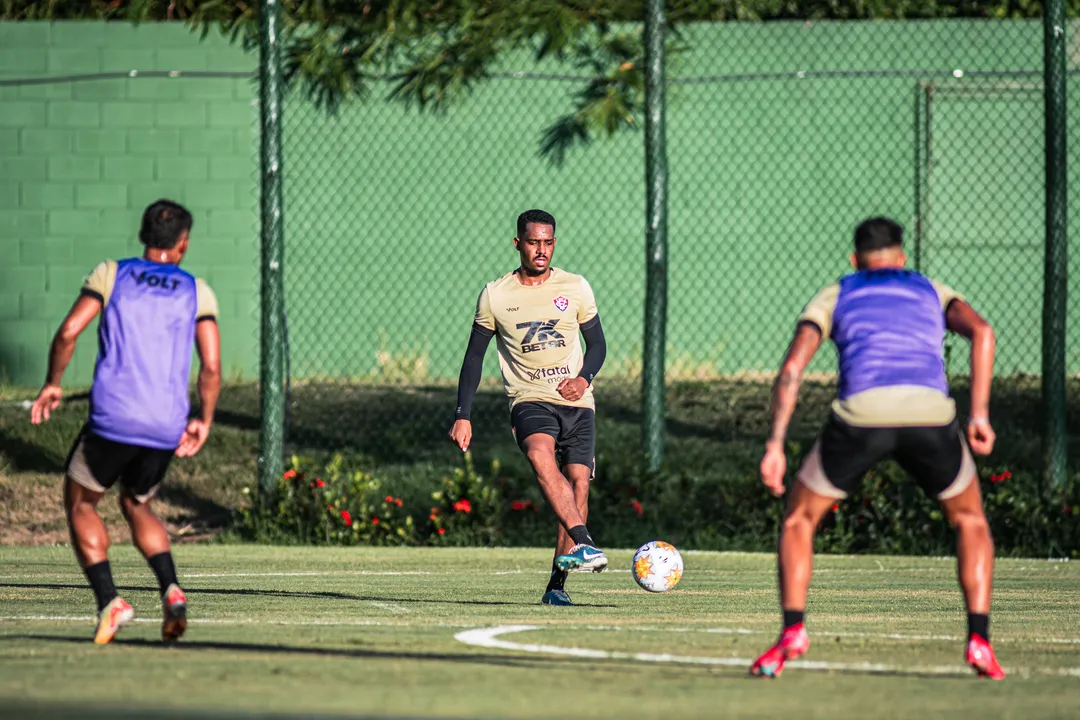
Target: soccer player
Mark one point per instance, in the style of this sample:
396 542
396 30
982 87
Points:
152 314
536 313
888 325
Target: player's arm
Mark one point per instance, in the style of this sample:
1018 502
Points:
468 382
483 329
785 396
82 313
962 319
208 347
595 353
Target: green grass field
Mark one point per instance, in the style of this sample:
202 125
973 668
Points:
459 633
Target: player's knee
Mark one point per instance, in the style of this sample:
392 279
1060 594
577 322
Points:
798 520
970 521
581 483
539 454
129 504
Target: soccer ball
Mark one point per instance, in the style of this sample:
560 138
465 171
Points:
658 566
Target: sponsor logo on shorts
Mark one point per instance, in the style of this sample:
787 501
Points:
562 303
540 335
551 374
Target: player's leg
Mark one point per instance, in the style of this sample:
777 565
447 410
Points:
794 564
580 477
139 484
938 457
88 475
577 449
536 426
833 469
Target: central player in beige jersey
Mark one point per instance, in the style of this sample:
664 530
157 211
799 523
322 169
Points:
536 313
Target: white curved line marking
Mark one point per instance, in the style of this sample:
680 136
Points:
489 638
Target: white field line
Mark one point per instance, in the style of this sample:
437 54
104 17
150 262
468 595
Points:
489 638
560 626
238 621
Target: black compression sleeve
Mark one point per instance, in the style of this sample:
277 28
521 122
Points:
595 349
471 368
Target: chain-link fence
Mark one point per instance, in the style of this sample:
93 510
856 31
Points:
781 138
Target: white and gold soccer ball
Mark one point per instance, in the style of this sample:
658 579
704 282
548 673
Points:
658 566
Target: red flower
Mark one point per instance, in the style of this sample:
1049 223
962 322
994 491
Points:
329 507
835 507
521 504
374 521
398 502
434 512
389 499
637 507
1001 478
442 531
289 474
463 505
347 518
319 483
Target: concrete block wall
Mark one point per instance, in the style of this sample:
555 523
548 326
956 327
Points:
80 159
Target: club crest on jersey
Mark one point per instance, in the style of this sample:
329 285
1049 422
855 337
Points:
562 303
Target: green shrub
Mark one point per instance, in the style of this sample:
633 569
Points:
335 505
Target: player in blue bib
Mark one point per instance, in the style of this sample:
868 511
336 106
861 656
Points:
152 315
888 325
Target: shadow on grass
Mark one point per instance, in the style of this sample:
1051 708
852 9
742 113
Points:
353 653
86 711
314 595
29 456
199 511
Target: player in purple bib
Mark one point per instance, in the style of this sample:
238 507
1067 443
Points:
888 325
153 314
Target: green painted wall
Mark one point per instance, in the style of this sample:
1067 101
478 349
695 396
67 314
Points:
79 161
395 219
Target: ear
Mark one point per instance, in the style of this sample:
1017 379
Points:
517 244
854 259
903 259
182 246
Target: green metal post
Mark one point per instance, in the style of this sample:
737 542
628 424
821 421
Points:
655 235
271 365
1055 292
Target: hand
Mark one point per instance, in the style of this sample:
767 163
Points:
193 439
461 434
980 437
773 467
573 388
47 401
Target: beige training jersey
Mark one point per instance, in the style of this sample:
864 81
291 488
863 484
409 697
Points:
536 331
891 406
102 279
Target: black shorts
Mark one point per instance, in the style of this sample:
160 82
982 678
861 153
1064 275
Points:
97 464
573 428
937 457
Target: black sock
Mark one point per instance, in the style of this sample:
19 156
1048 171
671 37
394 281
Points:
558 578
580 536
979 625
100 577
793 617
163 567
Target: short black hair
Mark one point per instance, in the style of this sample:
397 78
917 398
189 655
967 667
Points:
534 216
877 234
163 223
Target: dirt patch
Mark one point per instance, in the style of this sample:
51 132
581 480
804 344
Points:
32 512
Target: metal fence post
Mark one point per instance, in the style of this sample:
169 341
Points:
271 365
1055 291
655 235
